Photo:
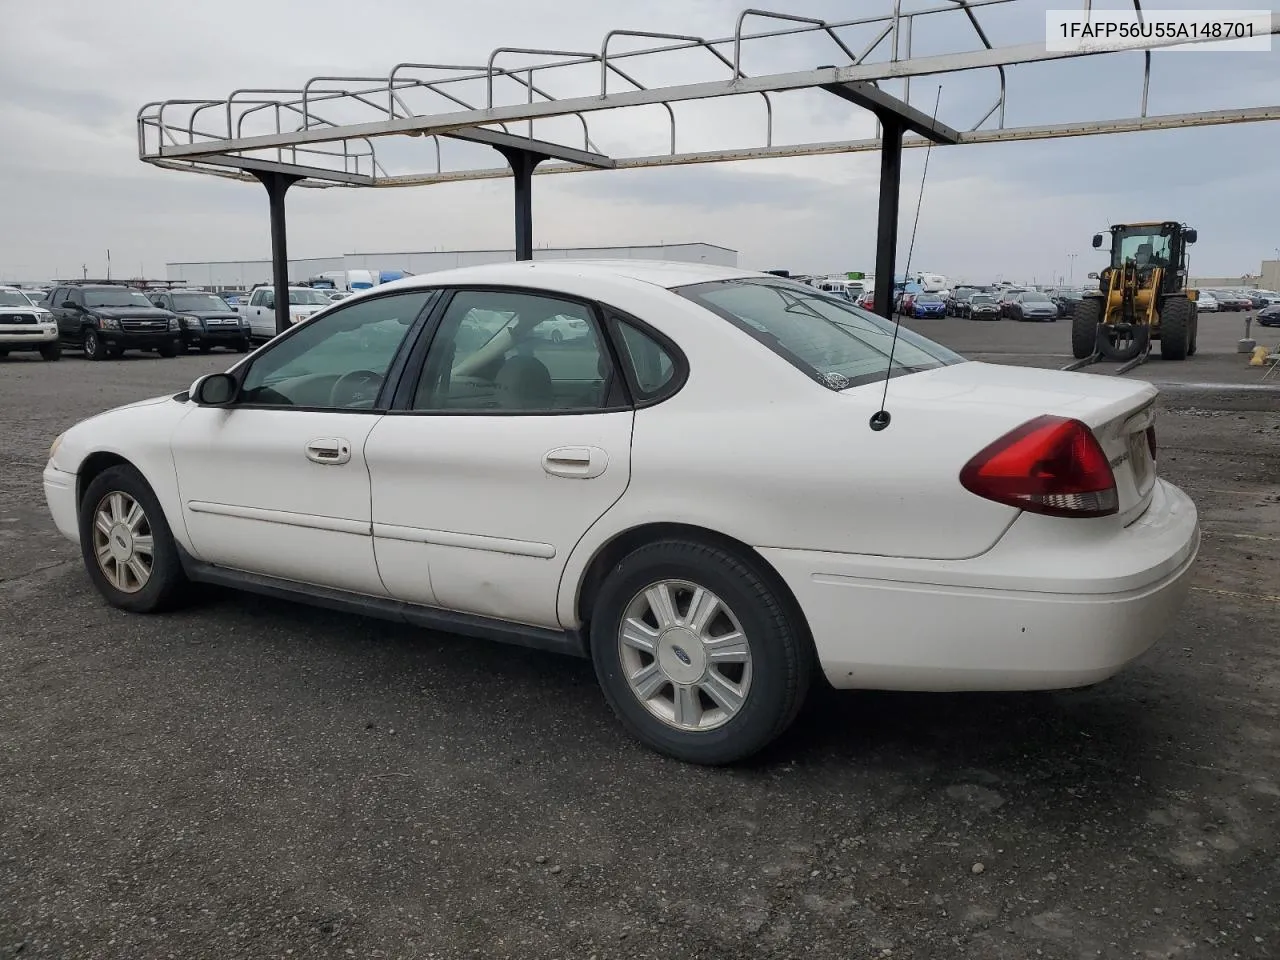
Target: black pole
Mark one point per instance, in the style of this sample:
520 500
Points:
522 163
277 184
887 228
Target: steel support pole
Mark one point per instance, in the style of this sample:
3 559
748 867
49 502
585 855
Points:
522 163
277 184
887 226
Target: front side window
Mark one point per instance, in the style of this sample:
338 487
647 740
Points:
834 342
335 362
507 351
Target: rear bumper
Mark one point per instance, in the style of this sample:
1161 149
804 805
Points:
1038 611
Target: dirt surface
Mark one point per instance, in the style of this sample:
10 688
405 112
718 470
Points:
255 779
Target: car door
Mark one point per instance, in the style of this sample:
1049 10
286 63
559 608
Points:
505 445
276 482
262 313
68 319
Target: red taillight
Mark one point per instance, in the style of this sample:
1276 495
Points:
1049 465
1151 441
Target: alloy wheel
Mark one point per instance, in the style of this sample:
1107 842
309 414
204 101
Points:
123 542
684 655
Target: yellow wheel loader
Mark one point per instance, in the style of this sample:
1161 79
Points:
1141 297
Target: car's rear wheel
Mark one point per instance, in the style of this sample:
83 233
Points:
697 653
128 549
51 351
95 348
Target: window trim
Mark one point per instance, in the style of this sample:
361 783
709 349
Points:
389 383
402 400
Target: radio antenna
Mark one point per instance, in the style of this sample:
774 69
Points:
880 419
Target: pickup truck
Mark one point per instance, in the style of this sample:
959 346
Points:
260 308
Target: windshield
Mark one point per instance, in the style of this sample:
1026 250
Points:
12 298
928 298
1033 298
116 298
1144 245
199 301
982 298
834 342
302 297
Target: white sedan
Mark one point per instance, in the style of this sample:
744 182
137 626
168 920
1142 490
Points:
692 494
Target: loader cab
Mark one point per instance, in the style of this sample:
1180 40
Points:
1148 246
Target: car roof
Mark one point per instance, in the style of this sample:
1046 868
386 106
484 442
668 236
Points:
661 273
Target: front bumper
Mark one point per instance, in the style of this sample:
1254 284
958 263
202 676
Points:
30 336
127 340
1049 607
60 495
220 334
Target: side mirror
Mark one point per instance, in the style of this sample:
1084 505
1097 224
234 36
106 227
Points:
1190 236
214 390
1093 276
1097 240
68 305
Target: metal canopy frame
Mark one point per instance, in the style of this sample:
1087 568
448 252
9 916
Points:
305 143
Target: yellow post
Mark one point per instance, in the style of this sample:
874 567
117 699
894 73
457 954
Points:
1259 357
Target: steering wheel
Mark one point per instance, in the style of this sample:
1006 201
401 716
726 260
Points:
359 388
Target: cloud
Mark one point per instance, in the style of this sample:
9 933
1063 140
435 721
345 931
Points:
75 73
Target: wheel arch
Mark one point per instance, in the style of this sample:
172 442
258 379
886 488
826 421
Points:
608 554
93 466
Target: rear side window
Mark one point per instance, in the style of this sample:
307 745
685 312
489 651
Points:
651 365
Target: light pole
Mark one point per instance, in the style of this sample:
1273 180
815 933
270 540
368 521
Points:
1071 267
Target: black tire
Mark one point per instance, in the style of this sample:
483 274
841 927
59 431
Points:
1175 328
1195 331
782 659
51 351
94 347
168 349
204 348
167 584
115 351
244 346
1084 327
4 352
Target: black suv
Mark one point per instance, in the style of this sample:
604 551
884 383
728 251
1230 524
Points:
106 319
207 321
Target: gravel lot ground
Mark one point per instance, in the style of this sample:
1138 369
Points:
251 778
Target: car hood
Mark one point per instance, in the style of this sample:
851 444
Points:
212 314
129 313
1040 307
984 306
5 308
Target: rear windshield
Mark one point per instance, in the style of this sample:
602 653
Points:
830 339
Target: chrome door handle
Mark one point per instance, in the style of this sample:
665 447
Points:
580 463
329 450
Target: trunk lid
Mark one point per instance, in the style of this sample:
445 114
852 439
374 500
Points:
1118 411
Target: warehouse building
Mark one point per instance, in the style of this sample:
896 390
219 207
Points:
243 274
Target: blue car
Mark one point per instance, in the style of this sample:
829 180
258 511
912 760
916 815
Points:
929 305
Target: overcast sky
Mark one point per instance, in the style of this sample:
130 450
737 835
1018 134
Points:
74 73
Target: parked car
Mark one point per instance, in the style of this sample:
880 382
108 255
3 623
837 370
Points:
928 305
207 320
260 308
983 306
867 301
1206 302
1269 316
1066 300
957 299
1268 297
24 326
1007 295
105 319
907 303
658 498
1233 300
1032 305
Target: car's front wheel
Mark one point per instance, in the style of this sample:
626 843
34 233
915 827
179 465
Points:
129 551
697 653
95 348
